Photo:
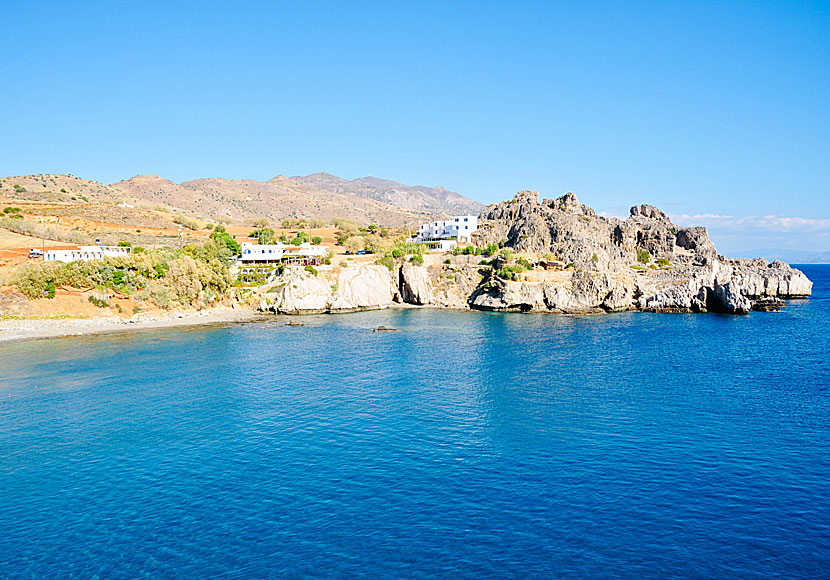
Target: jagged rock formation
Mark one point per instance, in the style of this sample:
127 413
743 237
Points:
642 263
584 263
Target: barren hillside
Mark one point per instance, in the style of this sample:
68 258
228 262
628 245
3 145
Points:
366 200
435 200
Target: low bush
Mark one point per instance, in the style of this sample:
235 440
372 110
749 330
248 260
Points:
98 302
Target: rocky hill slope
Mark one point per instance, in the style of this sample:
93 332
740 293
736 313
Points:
367 200
570 260
642 263
280 197
434 200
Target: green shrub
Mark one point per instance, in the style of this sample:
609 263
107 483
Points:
316 240
98 302
491 249
417 259
663 261
448 261
354 244
186 222
19 188
50 289
310 268
125 244
372 243
8 210
263 235
300 238
643 256
594 257
224 239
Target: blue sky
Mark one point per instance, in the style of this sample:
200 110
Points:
703 109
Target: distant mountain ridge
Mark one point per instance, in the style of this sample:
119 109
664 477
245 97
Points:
414 197
320 195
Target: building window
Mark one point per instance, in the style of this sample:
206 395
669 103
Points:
465 219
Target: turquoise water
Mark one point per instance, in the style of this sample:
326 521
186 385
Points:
467 445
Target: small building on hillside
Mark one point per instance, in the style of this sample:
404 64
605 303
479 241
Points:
444 235
258 262
85 253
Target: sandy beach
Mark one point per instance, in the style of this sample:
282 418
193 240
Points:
28 329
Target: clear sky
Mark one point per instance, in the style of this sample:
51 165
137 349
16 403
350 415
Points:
719 108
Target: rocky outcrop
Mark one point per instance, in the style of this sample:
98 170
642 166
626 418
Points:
642 263
363 288
301 292
298 291
414 285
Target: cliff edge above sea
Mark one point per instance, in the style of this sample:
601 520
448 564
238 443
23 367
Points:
552 256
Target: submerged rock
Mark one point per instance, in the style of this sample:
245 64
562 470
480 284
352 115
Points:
385 329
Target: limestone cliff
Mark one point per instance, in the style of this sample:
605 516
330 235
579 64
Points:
299 291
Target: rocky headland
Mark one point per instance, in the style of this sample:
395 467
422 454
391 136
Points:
558 256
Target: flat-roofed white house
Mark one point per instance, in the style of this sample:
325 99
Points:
84 253
443 235
259 261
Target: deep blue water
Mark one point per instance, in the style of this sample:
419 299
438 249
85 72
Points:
467 445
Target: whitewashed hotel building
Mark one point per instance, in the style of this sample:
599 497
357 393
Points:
261 261
85 253
443 235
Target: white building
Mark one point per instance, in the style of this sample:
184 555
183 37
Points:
443 235
282 253
84 253
262 262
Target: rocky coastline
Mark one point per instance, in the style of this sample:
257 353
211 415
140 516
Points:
573 261
16 329
576 261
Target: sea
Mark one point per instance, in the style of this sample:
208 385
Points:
464 445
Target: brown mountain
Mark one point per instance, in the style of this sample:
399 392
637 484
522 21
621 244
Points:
368 200
434 200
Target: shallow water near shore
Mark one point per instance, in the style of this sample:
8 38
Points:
465 445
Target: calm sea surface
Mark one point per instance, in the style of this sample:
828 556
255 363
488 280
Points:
467 445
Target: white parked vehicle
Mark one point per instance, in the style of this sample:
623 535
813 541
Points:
35 253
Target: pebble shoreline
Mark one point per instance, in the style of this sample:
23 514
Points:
27 329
